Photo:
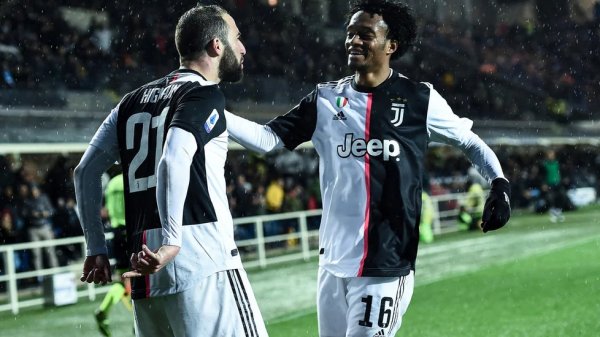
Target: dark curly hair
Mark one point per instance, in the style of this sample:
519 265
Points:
401 24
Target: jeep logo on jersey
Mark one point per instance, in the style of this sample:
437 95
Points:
398 110
374 147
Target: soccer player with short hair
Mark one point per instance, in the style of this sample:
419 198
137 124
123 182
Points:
171 139
371 131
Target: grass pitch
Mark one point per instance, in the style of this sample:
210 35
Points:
532 278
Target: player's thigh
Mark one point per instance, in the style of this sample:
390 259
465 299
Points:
331 305
223 304
377 304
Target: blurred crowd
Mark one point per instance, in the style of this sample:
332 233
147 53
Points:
38 207
37 202
558 69
540 177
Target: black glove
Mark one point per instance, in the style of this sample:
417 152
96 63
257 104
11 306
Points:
496 211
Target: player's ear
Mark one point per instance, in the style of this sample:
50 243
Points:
214 47
392 46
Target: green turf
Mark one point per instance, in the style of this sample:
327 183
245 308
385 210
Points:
68 321
555 294
533 278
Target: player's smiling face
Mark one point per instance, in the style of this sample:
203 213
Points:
366 44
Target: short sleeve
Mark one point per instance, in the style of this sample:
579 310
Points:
443 125
200 112
105 137
297 125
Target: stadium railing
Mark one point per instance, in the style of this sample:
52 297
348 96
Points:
297 241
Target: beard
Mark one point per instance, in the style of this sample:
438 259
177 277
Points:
230 69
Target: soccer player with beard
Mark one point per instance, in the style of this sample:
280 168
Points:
171 139
371 131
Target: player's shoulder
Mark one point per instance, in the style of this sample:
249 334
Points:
198 91
402 79
404 83
342 82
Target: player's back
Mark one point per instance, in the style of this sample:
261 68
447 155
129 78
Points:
141 130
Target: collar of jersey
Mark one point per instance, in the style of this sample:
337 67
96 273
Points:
372 89
188 71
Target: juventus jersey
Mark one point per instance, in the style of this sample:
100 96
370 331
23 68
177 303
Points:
137 129
371 143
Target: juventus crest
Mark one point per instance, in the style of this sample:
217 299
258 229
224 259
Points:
398 111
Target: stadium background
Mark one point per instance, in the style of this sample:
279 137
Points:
527 72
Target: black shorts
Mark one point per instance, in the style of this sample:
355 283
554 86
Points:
119 247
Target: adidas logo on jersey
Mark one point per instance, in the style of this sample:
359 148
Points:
380 333
340 116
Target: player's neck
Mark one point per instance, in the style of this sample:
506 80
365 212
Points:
209 72
372 79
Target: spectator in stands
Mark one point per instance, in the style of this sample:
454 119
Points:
8 232
274 197
242 195
59 181
10 202
7 176
66 225
8 235
38 212
294 201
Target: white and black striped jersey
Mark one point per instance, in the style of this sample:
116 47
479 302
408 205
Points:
136 129
371 143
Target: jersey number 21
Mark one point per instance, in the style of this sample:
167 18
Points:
157 123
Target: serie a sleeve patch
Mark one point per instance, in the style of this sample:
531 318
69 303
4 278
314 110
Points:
211 121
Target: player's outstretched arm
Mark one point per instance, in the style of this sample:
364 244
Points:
497 206
96 269
148 262
253 136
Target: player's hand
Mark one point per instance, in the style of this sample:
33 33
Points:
96 268
496 211
148 262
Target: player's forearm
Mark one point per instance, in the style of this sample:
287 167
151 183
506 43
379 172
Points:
482 157
173 182
255 137
88 192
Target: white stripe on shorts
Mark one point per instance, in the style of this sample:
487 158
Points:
397 302
242 302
